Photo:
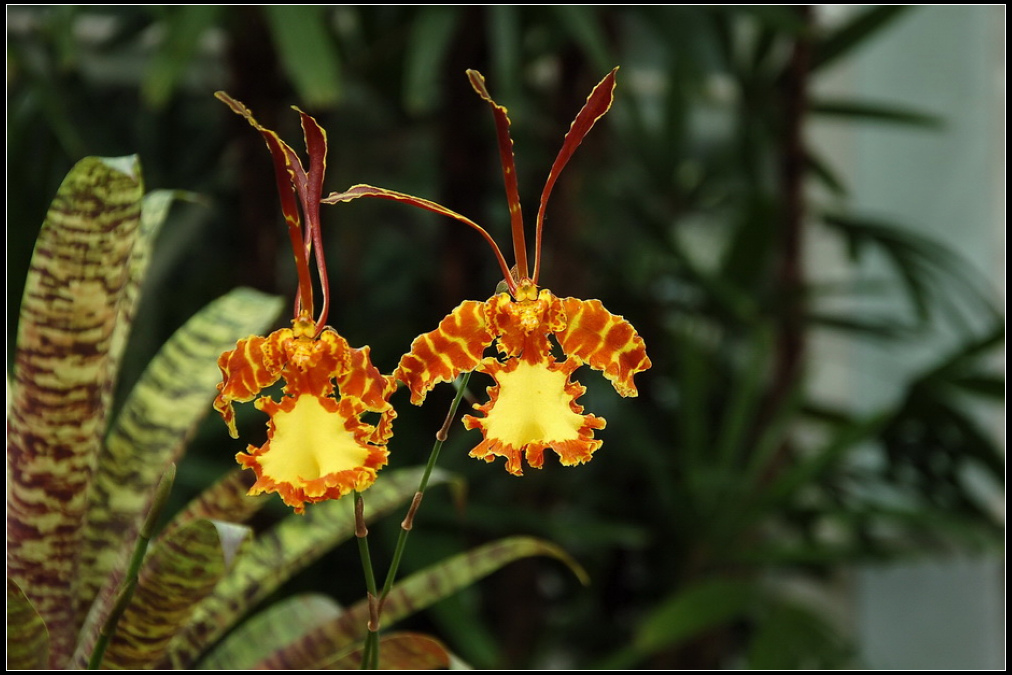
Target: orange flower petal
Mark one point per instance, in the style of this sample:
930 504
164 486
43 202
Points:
605 342
363 381
253 365
533 407
453 348
314 451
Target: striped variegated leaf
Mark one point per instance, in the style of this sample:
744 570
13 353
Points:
27 637
154 209
71 323
418 591
270 630
171 397
280 553
399 651
180 571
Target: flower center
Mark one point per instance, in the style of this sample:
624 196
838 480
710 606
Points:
533 407
309 442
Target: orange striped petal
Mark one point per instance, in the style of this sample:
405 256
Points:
605 342
522 326
456 346
532 407
254 364
363 381
315 451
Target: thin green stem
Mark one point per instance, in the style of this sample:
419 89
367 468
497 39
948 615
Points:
126 591
370 653
408 522
370 650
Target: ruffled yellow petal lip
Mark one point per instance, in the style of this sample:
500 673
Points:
313 452
533 407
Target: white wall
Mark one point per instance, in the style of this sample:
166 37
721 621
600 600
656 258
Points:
950 184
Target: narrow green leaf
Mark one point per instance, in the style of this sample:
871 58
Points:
826 175
693 611
875 112
177 574
883 328
270 630
27 637
927 269
184 27
307 50
64 373
431 35
854 33
415 593
279 554
171 397
988 386
967 359
400 651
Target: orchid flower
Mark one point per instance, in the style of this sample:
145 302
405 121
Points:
318 447
533 404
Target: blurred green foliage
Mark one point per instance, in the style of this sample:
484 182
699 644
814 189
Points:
684 211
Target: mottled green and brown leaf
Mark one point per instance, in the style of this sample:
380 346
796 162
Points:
64 370
272 629
416 592
399 651
177 574
27 637
279 554
158 417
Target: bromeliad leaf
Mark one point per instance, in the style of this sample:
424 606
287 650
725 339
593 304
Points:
157 418
400 651
154 209
279 554
281 623
413 594
74 304
27 637
177 574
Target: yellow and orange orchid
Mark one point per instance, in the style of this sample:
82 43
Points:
533 404
318 447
